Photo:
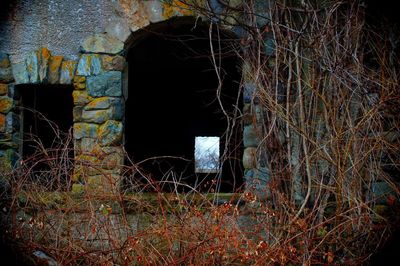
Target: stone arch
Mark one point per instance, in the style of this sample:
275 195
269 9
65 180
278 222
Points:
174 26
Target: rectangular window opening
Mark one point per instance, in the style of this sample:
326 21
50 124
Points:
206 154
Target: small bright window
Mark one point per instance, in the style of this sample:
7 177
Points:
206 154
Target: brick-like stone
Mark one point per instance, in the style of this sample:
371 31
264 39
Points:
32 65
112 161
87 145
89 64
110 133
77 113
155 10
111 63
118 29
102 115
102 43
55 69
67 72
4 60
3 89
6 104
79 82
20 73
12 122
249 158
2 123
97 116
6 75
99 103
81 98
251 137
44 58
106 84
85 130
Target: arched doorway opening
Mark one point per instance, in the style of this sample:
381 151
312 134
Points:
172 100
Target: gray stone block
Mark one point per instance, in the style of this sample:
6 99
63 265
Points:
110 133
106 84
32 65
102 43
85 130
20 73
250 136
88 65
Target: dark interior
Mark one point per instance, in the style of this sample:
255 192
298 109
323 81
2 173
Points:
47 116
172 98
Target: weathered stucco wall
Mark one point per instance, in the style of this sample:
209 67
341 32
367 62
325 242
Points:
61 26
57 24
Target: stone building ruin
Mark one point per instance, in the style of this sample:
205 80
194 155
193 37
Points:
84 65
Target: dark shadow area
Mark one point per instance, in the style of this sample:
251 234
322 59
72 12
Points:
383 19
46 112
172 98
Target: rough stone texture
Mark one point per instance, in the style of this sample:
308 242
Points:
85 130
102 43
113 62
12 123
20 72
99 103
249 158
154 10
87 145
134 13
110 133
249 89
269 44
67 72
4 61
32 65
105 103
89 64
13 93
250 136
57 24
6 75
2 123
262 9
79 82
55 69
77 113
81 97
257 180
44 58
97 116
6 104
118 29
3 89
252 113
106 84
5 69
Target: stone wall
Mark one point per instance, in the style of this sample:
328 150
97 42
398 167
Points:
87 42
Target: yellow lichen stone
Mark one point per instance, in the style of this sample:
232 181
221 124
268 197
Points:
3 89
2 123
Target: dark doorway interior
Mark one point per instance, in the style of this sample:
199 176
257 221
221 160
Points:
46 121
172 99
